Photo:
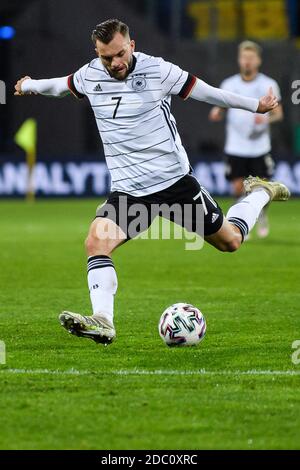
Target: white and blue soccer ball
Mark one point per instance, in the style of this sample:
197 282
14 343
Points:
182 325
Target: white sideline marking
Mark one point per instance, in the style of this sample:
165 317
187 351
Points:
154 372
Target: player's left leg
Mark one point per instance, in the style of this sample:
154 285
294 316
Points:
242 216
227 238
205 217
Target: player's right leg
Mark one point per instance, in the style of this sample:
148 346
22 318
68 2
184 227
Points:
114 224
103 238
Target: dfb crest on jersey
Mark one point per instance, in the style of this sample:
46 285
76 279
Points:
138 83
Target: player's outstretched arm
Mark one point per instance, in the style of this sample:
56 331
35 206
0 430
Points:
226 99
56 87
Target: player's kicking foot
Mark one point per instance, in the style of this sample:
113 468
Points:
99 330
277 191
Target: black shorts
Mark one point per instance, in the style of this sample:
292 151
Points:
241 167
191 207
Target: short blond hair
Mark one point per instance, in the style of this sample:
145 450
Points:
250 46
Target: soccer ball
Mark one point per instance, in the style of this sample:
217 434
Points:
182 325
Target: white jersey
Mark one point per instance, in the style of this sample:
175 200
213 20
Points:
142 147
244 138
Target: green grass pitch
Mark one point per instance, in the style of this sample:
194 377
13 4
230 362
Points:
64 392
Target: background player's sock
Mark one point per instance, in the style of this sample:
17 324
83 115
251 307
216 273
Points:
244 214
262 226
103 284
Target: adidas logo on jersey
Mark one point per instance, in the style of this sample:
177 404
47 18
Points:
214 217
97 87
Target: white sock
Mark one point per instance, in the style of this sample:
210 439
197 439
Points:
263 217
244 214
103 284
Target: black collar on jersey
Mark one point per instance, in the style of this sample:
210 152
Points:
133 64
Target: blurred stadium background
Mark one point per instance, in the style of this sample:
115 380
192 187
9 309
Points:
46 39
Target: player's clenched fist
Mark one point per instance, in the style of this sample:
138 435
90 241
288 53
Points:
18 87
267 102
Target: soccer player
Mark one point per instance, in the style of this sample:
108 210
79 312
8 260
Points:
248 142
130 93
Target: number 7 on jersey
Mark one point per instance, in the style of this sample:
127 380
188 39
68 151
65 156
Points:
118 99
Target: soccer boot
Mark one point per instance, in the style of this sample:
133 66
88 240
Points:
277 191
100 330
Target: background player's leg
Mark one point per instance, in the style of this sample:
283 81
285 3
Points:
103 238
237 187
264 168
263 226
236 169
239 191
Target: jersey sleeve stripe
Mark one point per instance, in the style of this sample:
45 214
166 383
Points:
187 87
72 88
175 83
168 74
